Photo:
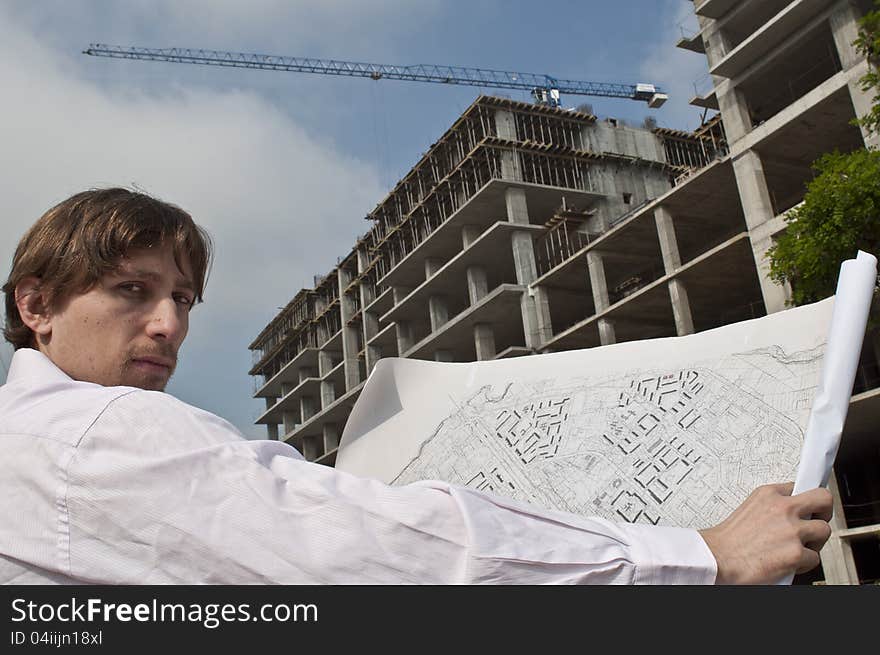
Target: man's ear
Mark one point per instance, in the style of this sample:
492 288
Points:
32 306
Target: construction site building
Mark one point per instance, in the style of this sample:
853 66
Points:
528 229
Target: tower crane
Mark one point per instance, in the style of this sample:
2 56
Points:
545 89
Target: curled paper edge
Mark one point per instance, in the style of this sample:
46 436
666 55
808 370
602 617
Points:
852 304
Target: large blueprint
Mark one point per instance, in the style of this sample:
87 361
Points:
673 431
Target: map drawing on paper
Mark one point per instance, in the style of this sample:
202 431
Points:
675 431
670 446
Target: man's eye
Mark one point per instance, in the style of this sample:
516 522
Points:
183 299
132 287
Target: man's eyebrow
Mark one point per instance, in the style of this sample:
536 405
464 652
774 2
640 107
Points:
182 282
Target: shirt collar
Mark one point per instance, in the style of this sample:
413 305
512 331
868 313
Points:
30 363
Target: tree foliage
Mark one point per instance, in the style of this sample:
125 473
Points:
839 216
841 210
868 44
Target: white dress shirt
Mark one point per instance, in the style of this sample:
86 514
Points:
120 485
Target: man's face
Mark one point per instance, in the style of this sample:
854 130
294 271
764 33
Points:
125 330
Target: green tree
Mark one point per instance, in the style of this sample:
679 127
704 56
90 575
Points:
841 210
839 216
868 44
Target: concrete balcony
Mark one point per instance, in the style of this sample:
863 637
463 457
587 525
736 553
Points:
647 312
694 43
290 402
705 101
492 246
715 8
385 340
337 413
817 122
753 49
289 374
484 208
457 334
310 386
381 303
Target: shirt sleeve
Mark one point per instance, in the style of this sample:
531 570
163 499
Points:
161 492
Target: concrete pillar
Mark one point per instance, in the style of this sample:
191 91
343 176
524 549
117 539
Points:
272 431
370 319
535 316
476 276
438 312
598 284
543 323
607 335
668 242
681 308
304 373
735 112
526 273
836 555
599 287
373 355
270 402
716 42
290 421
478 284
524 257
862 105
399 293
443 356
371 329
844 23
432 266
758 208
349 334
331 437
321 333
371 325
469 234
311 448
505 127
517 209
352 365
484 341
404 337
328 391
307 408
530 321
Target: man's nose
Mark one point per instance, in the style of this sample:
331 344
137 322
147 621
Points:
165 320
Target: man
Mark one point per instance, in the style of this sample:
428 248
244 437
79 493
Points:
108 480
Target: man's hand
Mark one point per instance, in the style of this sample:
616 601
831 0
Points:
771 535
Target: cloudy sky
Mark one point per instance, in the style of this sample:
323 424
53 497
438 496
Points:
281 168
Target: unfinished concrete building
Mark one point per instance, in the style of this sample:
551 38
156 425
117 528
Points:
527 229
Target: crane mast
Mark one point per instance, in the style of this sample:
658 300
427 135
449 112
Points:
545 89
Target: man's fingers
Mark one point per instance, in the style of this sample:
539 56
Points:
809 561
814 533
815 502
782 488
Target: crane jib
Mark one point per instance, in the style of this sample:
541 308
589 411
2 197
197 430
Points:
544 88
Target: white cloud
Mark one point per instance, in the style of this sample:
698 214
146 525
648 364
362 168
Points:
280 203
294 27
676 69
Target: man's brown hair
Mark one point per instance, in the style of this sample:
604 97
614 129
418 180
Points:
84 237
